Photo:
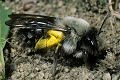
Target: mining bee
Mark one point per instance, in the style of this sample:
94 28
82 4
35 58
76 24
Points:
71 36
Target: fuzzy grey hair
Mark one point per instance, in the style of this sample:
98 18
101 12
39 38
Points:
79 25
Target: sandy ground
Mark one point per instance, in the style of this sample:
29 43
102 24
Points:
20 66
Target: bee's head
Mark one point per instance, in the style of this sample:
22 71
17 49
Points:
90 38
89 41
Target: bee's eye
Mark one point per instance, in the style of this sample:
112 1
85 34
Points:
91 41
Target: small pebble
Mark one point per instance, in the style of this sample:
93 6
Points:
46 75
13 50
37 61
73 70
107 42
106 76
13 77
21 70
60 3
115 77
66 69
41 75
32 75
44 66
37 69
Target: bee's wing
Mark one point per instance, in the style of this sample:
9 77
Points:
31 21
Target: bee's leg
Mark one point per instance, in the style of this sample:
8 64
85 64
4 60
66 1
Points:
56 57
86 60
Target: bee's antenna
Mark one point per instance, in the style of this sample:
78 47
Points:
108 15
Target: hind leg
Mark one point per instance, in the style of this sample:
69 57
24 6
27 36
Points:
56 57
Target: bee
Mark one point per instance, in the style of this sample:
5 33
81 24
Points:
71 36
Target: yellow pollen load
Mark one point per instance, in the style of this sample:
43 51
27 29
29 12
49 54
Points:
55 38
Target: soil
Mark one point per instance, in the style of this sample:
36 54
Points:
21 66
